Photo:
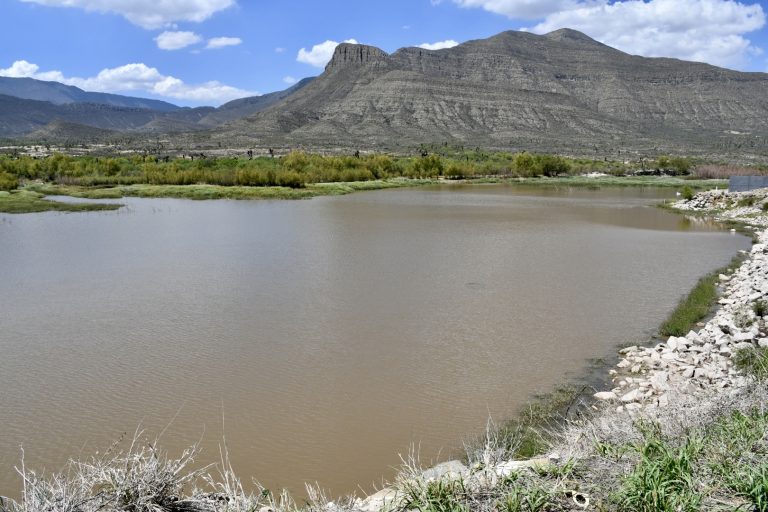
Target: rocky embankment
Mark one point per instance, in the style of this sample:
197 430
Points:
700 362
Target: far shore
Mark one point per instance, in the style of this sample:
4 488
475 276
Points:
32 196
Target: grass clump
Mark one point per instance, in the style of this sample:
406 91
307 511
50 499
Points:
442 495
760 308
747 201
687 193
525 498
752 361
528 434
698 303
663 479
26 201
695 306
751 484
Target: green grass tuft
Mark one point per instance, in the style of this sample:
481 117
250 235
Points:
662 480
752 361
692 308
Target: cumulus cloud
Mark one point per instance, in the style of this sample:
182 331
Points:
149 14
289 80
521 9
320 54
221 42
176 40
135 77
449 43
702 30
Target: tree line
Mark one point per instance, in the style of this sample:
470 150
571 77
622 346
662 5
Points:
297 169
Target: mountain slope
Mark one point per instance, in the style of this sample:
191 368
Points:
243 107
60 94
512 90
19 116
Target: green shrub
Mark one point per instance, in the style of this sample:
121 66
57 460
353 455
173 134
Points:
687 193
553 165
680 165
8 181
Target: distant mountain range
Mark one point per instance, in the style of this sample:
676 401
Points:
60 94
28 107
561 91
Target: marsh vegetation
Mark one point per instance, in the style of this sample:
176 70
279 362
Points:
299 175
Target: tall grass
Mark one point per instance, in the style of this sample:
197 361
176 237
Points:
715 171
663 479
752 361
692 308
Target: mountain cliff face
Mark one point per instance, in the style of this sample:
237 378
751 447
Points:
513 90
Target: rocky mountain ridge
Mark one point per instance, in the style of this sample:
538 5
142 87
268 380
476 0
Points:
515 90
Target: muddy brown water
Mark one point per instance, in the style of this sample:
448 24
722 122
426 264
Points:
324 337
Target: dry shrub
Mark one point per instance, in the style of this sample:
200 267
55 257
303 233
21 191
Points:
713 171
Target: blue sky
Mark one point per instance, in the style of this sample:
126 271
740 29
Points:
206 52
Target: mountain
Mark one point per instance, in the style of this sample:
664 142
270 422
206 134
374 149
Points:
63 131
558 91
243 107
41 103
20 117
60 94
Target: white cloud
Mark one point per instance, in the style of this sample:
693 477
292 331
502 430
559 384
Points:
220 42
150 14
176 40
320 54
24 69
135 77
449 43
701 30
289 80
279 49
521 9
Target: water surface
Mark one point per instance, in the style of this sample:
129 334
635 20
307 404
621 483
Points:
323 337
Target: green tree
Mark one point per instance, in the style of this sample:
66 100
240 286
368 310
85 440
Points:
525 163
680 165
553 165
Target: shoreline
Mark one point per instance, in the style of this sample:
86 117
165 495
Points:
32 197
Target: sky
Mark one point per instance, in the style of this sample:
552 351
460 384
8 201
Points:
208 52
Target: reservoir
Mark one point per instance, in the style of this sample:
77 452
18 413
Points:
322 338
